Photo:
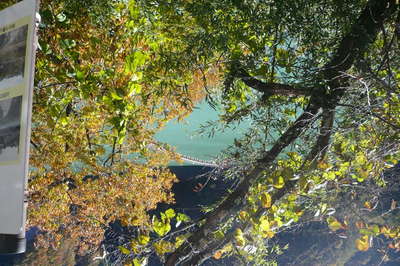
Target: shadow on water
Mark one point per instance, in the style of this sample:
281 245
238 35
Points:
187 200
190 201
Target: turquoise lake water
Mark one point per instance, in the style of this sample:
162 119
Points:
185 137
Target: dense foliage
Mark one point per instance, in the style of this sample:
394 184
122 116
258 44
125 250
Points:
319 81
96 108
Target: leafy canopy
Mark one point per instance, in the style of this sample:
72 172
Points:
98 101
318 79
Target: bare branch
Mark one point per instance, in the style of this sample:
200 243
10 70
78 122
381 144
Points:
321 146
370 112
57 84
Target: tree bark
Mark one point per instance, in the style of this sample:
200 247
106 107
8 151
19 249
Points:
321 146
271 88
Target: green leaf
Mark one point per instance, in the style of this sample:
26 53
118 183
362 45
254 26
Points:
67 43
134 88
160 227
329 175
181 218
170 213
80 75
232 108
135 60
364 231
121 139
61 17
124 250
376 229
63 121
133 9
136 262
219 234
115 96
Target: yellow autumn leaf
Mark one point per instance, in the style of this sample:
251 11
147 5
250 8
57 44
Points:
217 255
279 182
268 234
384 230
334 224
266 200
163 247
368 205
323 165
265 228
244 216
124 250
179 240
264 225
138 262
362 243
143 239
240 241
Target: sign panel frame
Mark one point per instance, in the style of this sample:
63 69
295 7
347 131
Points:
18 44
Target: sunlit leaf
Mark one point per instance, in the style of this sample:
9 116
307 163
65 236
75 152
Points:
170 213
143 239
239 237
161 227
181 218
266 200
334 224
124 250
162 247
362 243
279 182
367 205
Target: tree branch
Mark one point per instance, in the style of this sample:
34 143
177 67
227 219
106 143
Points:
321 146
199 240
270 88
356 41
57 84
199 258
372 113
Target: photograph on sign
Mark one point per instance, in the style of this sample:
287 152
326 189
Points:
12 55
10 125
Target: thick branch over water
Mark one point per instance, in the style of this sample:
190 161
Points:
271 88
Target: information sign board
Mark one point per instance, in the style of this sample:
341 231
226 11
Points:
17 60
